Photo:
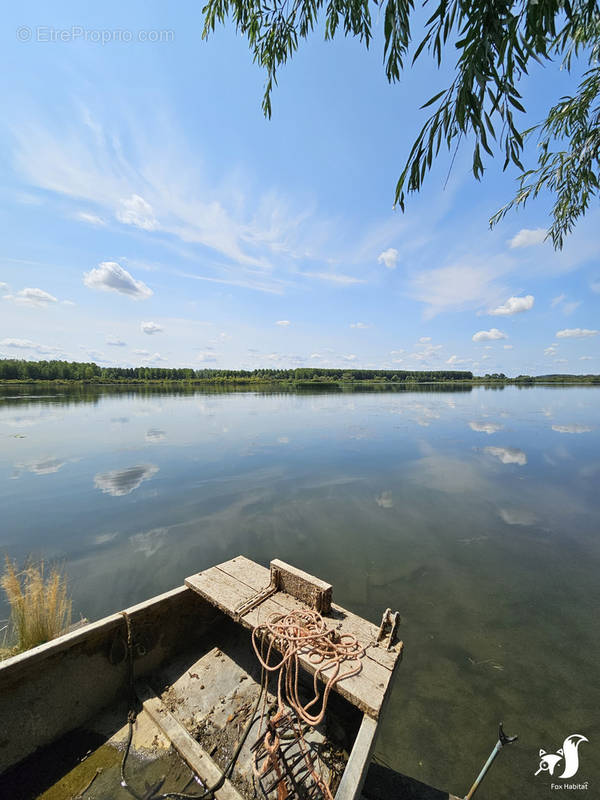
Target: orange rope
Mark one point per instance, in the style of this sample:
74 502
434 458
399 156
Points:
302 633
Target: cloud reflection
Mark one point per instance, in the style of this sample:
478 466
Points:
42 466
120 482
155 435
384 500
517 516
507 455
574 428
485 427
149 542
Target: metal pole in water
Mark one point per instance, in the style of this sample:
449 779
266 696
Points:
502 740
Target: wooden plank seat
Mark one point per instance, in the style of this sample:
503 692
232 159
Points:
233 583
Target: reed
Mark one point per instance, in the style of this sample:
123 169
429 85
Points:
40 607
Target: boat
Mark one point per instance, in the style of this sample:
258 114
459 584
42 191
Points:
244 682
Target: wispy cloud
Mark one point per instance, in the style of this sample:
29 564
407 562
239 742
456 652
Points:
27 344
164 192
35 298
283 323
576 333
333 277
91 219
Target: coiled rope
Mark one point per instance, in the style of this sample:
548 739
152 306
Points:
295 634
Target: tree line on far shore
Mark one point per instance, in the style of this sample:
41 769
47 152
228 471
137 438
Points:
89 372
18 370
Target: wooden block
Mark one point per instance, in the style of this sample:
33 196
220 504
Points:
188 748
310 590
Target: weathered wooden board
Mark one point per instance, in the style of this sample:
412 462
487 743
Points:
188 748
230 584
310 590
256 577
358 763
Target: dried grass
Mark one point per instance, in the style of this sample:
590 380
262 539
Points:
39 604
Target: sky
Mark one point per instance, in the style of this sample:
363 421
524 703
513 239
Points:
151 215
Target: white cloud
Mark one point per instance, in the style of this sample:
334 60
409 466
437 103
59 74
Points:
458 287
114 342
527 237
557 300
507 346
36 298
507 455
350 357
576 333
91 219
283 323
142 352
514 305
3 286
155 358
360 325
485 427
586 358
491 335
424 339
574 428
26 344
550 351
150 328
120 482
111 277
136 211
456 360
569 308
389 257
595 286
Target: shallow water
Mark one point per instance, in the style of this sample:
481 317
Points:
475 513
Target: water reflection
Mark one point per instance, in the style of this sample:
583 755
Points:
42 466
155 435
573 428
491 554
485 427
508 455
120 482
518 516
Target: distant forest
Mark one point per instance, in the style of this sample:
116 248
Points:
17 370
88 372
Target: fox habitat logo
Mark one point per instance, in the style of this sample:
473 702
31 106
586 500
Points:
567 756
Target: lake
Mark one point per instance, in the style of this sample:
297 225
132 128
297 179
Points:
475 512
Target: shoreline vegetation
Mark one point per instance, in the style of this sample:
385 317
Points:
18 372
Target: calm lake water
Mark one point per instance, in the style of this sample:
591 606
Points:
475 513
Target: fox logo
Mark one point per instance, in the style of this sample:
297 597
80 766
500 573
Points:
567 753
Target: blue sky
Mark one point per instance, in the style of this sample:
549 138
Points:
151 214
